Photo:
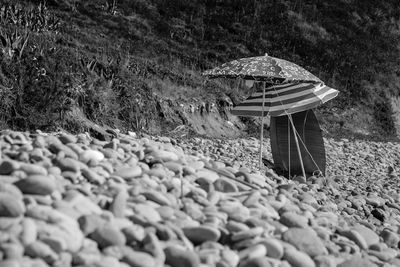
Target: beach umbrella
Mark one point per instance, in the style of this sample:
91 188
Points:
287 89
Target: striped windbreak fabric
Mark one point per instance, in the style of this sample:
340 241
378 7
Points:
285 99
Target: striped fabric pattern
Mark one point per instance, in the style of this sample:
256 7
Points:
285 99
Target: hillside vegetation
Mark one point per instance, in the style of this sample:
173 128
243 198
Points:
134 64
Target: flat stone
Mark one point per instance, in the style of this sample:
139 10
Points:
306 240
113 251
252 199
230 257
29 231
39 249
234 226
8 166
153 246
187 170
10 207
225 185
33 169
164 155
69 164
56 148
298 258
292 219
385 255
196 165
128 172
37 185
157 197
91 155
390 238
209 175
60 225
309 199
375 201
159 172
253 252
136 258
108 261
179 257
93 176
10 263
10 189
166 212
274 247
118 205
356 237
201 234
45 213
256 262
82 204
176 167
247 234
147 212
235 210
56 243
134 233
370 236
86 258
325 261
108 235
67 138
357 261
395 261
12 250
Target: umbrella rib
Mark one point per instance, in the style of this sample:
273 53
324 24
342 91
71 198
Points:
308 152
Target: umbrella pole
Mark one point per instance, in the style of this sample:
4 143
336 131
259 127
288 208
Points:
261 143
262 128
297 145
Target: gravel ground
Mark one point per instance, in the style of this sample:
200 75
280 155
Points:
69 200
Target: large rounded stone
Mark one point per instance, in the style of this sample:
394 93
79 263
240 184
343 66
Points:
202 234
37 185
356 237
179 257
298 258
118 205
39 249
91 155
8 166
108 235
10 207
370 236
136 258
390 238
357 261
306 240
274 247
292 219
128 172
256 262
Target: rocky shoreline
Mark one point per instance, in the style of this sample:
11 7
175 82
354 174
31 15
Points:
70 200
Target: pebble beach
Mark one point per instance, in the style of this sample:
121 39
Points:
150 201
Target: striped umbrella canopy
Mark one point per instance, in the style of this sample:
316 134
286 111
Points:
284 99
262 68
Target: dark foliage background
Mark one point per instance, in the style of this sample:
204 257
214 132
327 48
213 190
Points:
70 63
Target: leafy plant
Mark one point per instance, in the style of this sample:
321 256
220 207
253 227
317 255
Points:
35 18
14 43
